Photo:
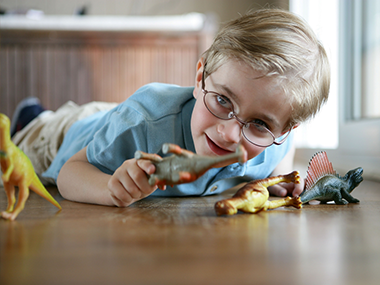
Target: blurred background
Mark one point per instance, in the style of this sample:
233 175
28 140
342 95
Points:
224 9
105 50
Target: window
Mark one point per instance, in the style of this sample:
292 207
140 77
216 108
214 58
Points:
357 78
361 27
321 132
359 125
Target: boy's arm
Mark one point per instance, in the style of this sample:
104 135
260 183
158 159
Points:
80 181
285 167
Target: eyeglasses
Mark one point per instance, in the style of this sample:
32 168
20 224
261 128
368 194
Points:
221 107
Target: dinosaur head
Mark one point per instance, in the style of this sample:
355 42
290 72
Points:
4 128
354 177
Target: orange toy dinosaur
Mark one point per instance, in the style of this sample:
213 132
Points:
253 197
17 171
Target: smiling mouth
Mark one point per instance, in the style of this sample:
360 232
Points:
215 148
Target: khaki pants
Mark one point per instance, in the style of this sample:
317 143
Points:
40 139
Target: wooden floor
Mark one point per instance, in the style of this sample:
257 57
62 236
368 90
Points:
182 241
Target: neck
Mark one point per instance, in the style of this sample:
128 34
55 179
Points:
4 138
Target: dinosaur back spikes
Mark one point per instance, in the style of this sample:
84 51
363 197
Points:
319 166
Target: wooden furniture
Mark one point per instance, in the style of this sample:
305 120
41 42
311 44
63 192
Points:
61 58
182 241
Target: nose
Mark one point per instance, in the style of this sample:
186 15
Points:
230 131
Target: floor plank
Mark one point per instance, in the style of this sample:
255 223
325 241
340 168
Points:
182 241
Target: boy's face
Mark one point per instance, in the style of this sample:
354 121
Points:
255 100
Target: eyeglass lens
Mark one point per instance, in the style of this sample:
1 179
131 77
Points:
222 108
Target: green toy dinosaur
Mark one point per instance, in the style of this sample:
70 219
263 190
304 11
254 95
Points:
17 171
323 184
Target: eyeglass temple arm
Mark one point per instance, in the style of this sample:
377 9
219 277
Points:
283 140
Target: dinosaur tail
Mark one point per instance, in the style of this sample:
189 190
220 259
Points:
40 189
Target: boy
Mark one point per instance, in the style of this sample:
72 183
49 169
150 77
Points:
264 74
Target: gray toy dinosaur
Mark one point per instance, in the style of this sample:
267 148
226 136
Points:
185 166
323 184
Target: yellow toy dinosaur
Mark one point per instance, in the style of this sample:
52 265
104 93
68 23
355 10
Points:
17 171
253 197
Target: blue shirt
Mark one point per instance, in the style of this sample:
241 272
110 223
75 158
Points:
154 115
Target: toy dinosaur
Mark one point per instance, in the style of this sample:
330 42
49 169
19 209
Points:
185 166
17 171
253 197
323 184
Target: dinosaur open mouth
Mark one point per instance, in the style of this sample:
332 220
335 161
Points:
358 175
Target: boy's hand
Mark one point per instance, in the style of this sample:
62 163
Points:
130 183
287 189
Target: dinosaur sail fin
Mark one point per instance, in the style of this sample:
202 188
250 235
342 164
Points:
319 166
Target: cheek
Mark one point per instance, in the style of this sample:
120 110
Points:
201 118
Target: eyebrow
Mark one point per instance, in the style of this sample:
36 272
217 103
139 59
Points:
228 91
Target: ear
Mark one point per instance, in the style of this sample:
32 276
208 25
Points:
198 78
294 127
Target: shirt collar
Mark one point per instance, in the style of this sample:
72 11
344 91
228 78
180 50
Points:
186 124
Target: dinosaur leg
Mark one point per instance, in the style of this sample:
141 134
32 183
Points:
149 156
231 206
337 197
23 195
285 202
185 176
155 180
248 208
245 200
10 192
8 172
291 177
349 197
173 148
171 179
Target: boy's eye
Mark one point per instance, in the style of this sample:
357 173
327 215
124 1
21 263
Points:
259 125
259 122
224 102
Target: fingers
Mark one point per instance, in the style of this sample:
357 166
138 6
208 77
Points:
120 197
149 168
117 202
285 189
146 165
298 188
129 183
278 190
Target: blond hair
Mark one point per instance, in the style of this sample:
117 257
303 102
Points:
279 44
